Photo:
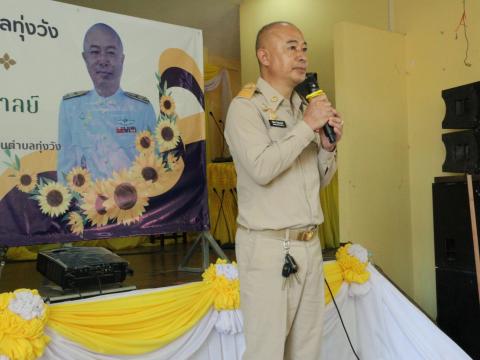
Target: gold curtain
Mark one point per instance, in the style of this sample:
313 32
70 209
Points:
329 230
222 201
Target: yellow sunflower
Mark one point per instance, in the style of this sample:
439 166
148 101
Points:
79 180
167 105
145 142
150 170
54 199
94 203
75 222
127 198
168 135
26 181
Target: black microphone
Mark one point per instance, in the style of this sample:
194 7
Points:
220 130
313 90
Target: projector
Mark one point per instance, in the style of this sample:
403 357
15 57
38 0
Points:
82 267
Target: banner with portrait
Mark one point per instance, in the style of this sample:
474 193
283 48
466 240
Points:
102 119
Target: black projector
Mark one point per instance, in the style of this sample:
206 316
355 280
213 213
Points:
82 267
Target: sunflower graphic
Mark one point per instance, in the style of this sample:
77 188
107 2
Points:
172 161
26 181
168 135
75 222
54 199
94 203
167 105
150 170
79 180
127 197
145 142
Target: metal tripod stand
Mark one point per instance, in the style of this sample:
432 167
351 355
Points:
205 239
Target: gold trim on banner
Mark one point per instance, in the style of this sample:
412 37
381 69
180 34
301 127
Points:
192 128
179 58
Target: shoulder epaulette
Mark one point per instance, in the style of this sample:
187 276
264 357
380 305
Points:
137 97
247 91
74 94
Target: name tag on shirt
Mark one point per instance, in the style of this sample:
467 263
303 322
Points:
278 123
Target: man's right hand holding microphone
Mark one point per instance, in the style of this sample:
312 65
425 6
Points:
319 112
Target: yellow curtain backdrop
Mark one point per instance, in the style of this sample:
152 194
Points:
329 230
210 71
221 177
213 104
222 201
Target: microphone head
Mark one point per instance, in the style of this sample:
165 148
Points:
311 82
308 86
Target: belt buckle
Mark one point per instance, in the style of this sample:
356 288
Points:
306 235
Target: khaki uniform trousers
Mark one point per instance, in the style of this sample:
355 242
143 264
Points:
280 323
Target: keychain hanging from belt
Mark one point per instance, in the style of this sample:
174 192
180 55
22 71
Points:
289 266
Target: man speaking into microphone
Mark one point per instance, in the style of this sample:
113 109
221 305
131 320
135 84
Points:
282 158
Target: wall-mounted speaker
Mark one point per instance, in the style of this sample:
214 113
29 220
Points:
462 152
462 107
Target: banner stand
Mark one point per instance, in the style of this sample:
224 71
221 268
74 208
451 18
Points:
473 219
3 258
205 239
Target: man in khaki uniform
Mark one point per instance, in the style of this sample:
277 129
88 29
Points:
282 158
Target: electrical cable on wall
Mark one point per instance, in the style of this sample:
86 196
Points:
463 22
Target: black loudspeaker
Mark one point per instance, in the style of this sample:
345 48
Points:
462 152
462 107
451 219
458 313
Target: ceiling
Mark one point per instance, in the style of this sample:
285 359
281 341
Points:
219 19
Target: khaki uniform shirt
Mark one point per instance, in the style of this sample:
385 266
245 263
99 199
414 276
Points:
279 160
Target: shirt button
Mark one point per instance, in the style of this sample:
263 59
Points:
274 99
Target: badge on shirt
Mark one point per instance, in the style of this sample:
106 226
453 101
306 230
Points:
126 129
126 126
272 117
278 123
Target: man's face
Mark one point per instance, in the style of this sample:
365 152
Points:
103 55
286 54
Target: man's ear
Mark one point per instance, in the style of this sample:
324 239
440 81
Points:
263 56
84 56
